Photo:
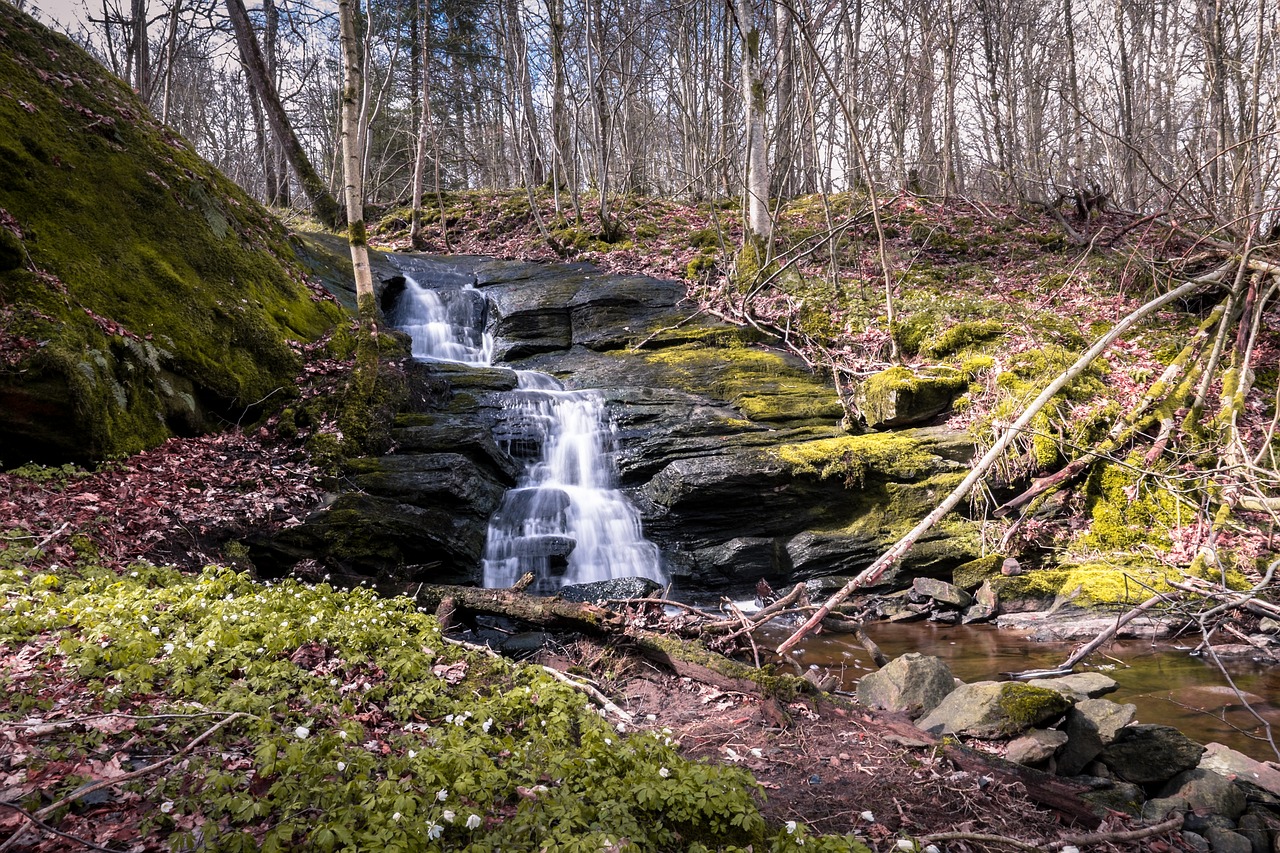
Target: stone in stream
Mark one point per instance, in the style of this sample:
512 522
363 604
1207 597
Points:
1091 725
991 709
942 592
1207 792
1079 685
1035 747
1147 754
913 683
612 589
985 605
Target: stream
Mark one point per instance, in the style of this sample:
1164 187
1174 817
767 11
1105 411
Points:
1167 684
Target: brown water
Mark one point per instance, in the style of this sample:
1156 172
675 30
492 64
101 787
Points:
1169 686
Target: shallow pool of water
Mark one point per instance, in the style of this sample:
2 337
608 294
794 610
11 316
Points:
1169 686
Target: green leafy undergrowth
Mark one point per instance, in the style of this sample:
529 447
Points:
362 728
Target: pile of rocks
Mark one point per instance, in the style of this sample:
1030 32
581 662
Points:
1062 725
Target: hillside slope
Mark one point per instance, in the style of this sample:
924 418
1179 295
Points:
142 294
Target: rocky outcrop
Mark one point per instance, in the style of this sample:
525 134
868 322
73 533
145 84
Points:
730 449
990 709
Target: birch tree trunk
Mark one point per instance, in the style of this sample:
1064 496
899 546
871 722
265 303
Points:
353 158
759 223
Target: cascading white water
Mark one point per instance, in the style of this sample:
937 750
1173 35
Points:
565 521
447 326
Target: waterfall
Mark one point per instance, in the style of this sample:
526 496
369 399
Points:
565 521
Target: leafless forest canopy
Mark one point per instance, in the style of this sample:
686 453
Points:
1144 105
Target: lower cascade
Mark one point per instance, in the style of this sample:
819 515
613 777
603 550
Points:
565 521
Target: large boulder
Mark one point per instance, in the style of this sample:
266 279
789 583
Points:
1079 685
1207 792
1148 753
991 709
913 683
153 297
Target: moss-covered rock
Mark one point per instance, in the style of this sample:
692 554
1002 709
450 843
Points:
990 709
899 397
154 293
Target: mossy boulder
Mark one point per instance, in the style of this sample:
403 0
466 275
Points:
990 709
151 293
900 397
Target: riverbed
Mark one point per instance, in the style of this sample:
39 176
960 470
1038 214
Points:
1167 684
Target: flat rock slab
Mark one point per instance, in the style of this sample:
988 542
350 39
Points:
1240 767
1048 627
1035 747
1079 685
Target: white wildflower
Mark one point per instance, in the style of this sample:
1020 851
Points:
791 827
342 765
488 724
621 727
664 772
449 815
168 648
434 831
342 734
301 732
155 630
932 848
442 794
473 821
396 816
166 806
333 682
608 741
211 644
906 845
869 817
315 619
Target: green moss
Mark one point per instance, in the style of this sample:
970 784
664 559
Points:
1127 511
1027 706
962 336
145 255
855 457
971 575
762 384
1100 584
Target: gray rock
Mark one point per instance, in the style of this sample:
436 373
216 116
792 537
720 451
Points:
1202 823
1207 793
1228 841
942 592
985 605
975 572
990 709
1146 754
1117 797
1079 685
1157 809
1244 770
1045 627
616 588
1091 725
1259 826
1267 625
1035 747
1195 842
913 683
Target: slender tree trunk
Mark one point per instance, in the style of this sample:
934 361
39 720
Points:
323 205
353 158
759 225
784 135
141 50
171 52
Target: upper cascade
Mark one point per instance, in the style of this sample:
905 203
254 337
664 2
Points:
565 521
445 325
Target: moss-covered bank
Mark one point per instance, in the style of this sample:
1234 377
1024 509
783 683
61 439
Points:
144 294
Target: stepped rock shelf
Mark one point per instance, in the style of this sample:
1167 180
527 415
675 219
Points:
723 443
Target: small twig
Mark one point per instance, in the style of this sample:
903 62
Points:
982 838
49 829
150 768
1172 823
601 700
